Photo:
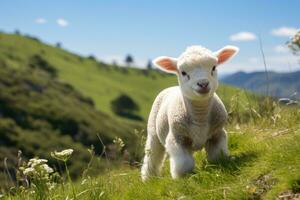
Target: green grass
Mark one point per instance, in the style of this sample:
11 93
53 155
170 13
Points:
265 162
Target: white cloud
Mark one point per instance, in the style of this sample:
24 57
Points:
62 22
40 20
284 31
243 36
281 49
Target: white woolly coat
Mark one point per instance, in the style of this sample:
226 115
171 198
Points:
191 130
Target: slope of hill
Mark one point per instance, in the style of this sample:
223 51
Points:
97 80
40 114
279 84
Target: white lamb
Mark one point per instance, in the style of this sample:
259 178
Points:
189 116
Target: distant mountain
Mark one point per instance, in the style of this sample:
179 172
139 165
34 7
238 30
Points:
279 84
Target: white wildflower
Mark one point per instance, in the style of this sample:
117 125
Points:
50 185
119 143
29 171
47 169
36 161
62 155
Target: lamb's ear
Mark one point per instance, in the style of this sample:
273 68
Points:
226 53
167 64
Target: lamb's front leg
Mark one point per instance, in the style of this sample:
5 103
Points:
154 157
181 159
217 146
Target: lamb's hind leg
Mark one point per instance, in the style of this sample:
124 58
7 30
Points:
154 156
217 146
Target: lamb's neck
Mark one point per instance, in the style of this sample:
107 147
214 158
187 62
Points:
198 110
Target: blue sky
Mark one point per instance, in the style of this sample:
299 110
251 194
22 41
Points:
146 29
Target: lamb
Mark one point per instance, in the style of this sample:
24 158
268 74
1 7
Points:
187 117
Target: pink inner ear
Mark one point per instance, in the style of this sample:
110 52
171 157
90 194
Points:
167 64
225 55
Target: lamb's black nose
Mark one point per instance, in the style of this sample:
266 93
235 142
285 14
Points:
203 84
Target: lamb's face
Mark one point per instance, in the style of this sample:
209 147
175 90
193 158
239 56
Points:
197 75
196 69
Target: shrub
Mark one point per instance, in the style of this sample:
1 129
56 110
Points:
125 106
92 57
129 60
37 62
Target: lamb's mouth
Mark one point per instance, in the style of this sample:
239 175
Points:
202 91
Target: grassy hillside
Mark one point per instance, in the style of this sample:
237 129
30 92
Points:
41 114
99 81
265 164
94 79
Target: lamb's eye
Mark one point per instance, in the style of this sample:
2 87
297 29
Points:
213 69
185 75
